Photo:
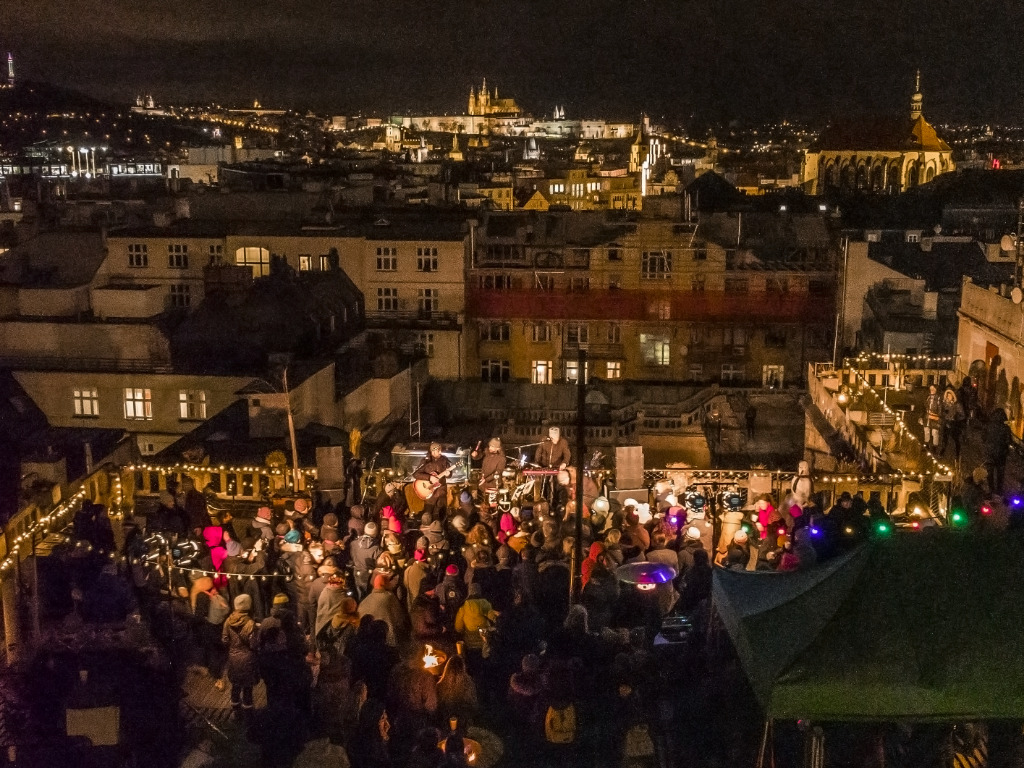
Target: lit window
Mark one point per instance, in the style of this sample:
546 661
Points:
495 371
429 300
325 263
191 404
87 402
655 349
572 371
613 370
138 255
656 265
540 372
177 256
138 404
387 299
258 259
181 295
305 262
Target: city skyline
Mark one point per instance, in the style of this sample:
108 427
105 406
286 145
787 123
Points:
703 60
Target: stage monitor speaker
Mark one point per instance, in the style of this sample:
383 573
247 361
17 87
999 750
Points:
629 467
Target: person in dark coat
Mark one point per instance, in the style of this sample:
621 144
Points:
370 745
287 676
240 636
196 515
997 449
364 552
600 596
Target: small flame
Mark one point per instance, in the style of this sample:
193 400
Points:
430 659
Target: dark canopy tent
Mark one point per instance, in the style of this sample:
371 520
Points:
916 627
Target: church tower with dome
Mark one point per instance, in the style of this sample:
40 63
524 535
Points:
885 156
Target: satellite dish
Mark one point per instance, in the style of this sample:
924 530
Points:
1007 243
1016 295
683 350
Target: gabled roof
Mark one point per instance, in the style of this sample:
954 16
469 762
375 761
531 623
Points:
881 135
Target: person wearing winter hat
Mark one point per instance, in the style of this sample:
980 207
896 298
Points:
492 464
691 543
451 592
356 522
239 635
415 578
434 469
262 526
364 552
330 526
382 605
475 614
324 572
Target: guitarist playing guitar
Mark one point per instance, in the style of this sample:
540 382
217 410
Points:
434 469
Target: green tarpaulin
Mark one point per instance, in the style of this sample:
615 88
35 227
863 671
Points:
919 626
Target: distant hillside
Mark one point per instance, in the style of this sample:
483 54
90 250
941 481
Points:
32 96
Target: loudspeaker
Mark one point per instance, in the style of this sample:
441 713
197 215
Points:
330 467
629 467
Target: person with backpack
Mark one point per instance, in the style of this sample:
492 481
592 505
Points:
560 722
241 637
210 609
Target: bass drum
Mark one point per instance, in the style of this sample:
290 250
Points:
412 499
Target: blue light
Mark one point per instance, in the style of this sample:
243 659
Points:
815 531
1016 501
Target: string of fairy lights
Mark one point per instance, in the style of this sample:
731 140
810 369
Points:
938 468
52 521
937 362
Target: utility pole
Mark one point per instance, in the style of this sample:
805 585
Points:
581 446
296 471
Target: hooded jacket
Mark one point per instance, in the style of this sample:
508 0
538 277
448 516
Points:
239 635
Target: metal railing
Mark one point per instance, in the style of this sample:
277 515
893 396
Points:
91 364
411 318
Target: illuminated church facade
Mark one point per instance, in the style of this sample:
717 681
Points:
882 156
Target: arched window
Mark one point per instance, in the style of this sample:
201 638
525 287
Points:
258 259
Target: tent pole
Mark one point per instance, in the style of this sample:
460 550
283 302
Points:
764 742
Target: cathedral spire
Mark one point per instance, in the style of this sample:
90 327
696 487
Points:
917 99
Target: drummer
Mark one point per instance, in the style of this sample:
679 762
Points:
492 465
433 465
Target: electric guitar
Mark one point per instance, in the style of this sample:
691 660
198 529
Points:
427 488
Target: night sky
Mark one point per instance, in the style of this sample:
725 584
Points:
709 59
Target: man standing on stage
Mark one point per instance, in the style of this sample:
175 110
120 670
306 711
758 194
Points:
493 464
553 453
433 465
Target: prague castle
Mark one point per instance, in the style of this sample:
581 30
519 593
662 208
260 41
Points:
484 104
883 156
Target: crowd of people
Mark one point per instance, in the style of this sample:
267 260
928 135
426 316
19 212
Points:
391 631
393 627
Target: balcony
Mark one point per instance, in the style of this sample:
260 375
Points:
669 306
413 319
570 351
